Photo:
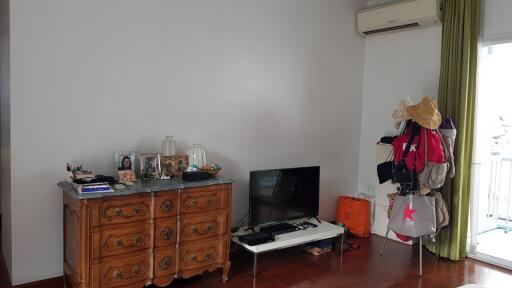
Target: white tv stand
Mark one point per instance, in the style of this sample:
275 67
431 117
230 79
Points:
324 230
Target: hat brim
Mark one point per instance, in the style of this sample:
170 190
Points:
430 122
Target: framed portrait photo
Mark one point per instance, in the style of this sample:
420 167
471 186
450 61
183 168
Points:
150 165
124 161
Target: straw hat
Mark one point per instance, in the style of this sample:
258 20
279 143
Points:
425 113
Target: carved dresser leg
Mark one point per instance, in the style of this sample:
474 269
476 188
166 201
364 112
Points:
226 268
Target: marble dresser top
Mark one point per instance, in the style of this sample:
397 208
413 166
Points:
145 187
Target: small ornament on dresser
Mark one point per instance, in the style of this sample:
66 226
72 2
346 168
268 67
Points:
78 173
214 169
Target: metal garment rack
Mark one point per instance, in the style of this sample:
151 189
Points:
421 250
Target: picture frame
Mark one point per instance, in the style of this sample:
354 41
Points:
173 165
126 176
124 161
150 165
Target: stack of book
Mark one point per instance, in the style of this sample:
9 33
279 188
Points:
94 187
82 175
85 181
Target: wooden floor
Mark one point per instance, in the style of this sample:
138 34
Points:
361 268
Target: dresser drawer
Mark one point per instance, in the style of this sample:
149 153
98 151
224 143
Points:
202 226
123 240
165 232
124 273
124 210
201 255
166 204
203 199
165 262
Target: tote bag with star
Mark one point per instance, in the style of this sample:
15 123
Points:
413 216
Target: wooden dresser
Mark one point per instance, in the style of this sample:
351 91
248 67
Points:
149 234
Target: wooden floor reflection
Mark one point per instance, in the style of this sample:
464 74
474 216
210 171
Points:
362 267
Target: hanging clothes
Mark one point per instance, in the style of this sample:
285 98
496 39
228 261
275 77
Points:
416 157
448 133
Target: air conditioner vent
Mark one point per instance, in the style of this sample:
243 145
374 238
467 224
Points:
412 25
403 15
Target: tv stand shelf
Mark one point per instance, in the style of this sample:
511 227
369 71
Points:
323 231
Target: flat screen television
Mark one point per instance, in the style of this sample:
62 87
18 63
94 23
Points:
283 194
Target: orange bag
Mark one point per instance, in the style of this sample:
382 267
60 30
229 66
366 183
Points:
354 213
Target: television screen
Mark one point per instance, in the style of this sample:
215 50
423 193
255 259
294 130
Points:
283 194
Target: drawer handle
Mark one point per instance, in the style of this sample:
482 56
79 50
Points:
119 212
209 202
165 263
117 275
166 234
120 276
137 240
166 206
208 257
210 227
118 243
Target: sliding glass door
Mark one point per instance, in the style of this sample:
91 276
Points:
490 237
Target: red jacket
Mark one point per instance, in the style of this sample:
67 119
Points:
416 157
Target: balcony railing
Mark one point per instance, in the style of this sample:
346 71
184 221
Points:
500 188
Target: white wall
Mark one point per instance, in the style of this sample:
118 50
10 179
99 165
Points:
262 84
496 20
5 118
399 65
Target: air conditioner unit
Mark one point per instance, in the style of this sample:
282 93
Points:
403 15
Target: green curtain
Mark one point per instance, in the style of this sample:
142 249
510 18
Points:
456 100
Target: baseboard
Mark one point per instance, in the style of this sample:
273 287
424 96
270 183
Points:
57 282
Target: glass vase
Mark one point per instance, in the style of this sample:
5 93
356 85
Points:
197 155
166 146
